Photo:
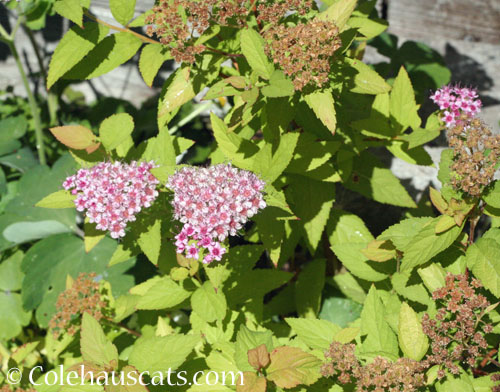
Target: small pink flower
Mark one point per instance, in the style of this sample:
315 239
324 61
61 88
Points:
192 252
217 251
455 101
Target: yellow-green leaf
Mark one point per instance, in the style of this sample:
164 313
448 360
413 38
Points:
59 199
412 340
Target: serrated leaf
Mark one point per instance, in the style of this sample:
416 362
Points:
290 366
176 92
308 288
122 10
92 236
482 259
444 223
492 195
73 47
251 383
339 12
258 357
379 250
433 276
163 294
412 340
209 303
94 345
150 241
115 129
59 199
111 52
317 334
162 353
366 80
247 340
279 86
152 58
252 47
322 103
70 9
77 137
402 101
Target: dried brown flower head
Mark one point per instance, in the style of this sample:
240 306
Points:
304 52
273 11
380 375
476 153
86 295
456 333
9 388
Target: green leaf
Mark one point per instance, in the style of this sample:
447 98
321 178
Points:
252 47
209 303
160 354
308 288
426 244
163 294
366 80
312 202
21 232
177 90
369 27
152 58
492 195
112 51
401 234
339 12
444 174
322 103
70 9
72 48
122 10
12 315
433 276
161 149
59 199
370 178
279 86
11 276
115 129
279 161
252 383
290 366
412 340
482 259
316 334
402 101
415 156
380 337
247 340
150 241
94 345
349 286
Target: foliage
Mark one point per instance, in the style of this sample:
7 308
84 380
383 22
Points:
259 263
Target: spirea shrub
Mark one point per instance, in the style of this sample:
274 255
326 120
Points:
243 221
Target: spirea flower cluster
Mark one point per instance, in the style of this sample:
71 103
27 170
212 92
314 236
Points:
213 203
304 52
380 375
476 153
86 295
113 193
457 331
455 101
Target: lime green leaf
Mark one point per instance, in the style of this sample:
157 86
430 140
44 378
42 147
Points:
403 106
280 159
152 58
176 92
346 335
350 287
317 334
415 156
252 382
94 345
370 178
482 259
115 129
122 10
380 337
11 276
322 103
412 340
401 234
92 236
59 199
162 353
72 48
444 174
426 244
129 373
77 137
209 303
433 276
279 86
444 223
150 241
492 195
308 289
367 81
290 366
12 315
70 9
163 294
22 352
369 27
339 12
252 47
112 51
161 149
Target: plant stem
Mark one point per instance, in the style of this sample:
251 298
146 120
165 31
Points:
124 327
122 29
9 40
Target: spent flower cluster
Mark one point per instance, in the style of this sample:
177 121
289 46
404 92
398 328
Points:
457 332
113 193
86 295
380 375
213 203
455 101
476 155
304 52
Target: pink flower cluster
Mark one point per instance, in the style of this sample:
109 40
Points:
213 203
455 101
113 193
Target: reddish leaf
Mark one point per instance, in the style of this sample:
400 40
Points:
258 357
77 137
